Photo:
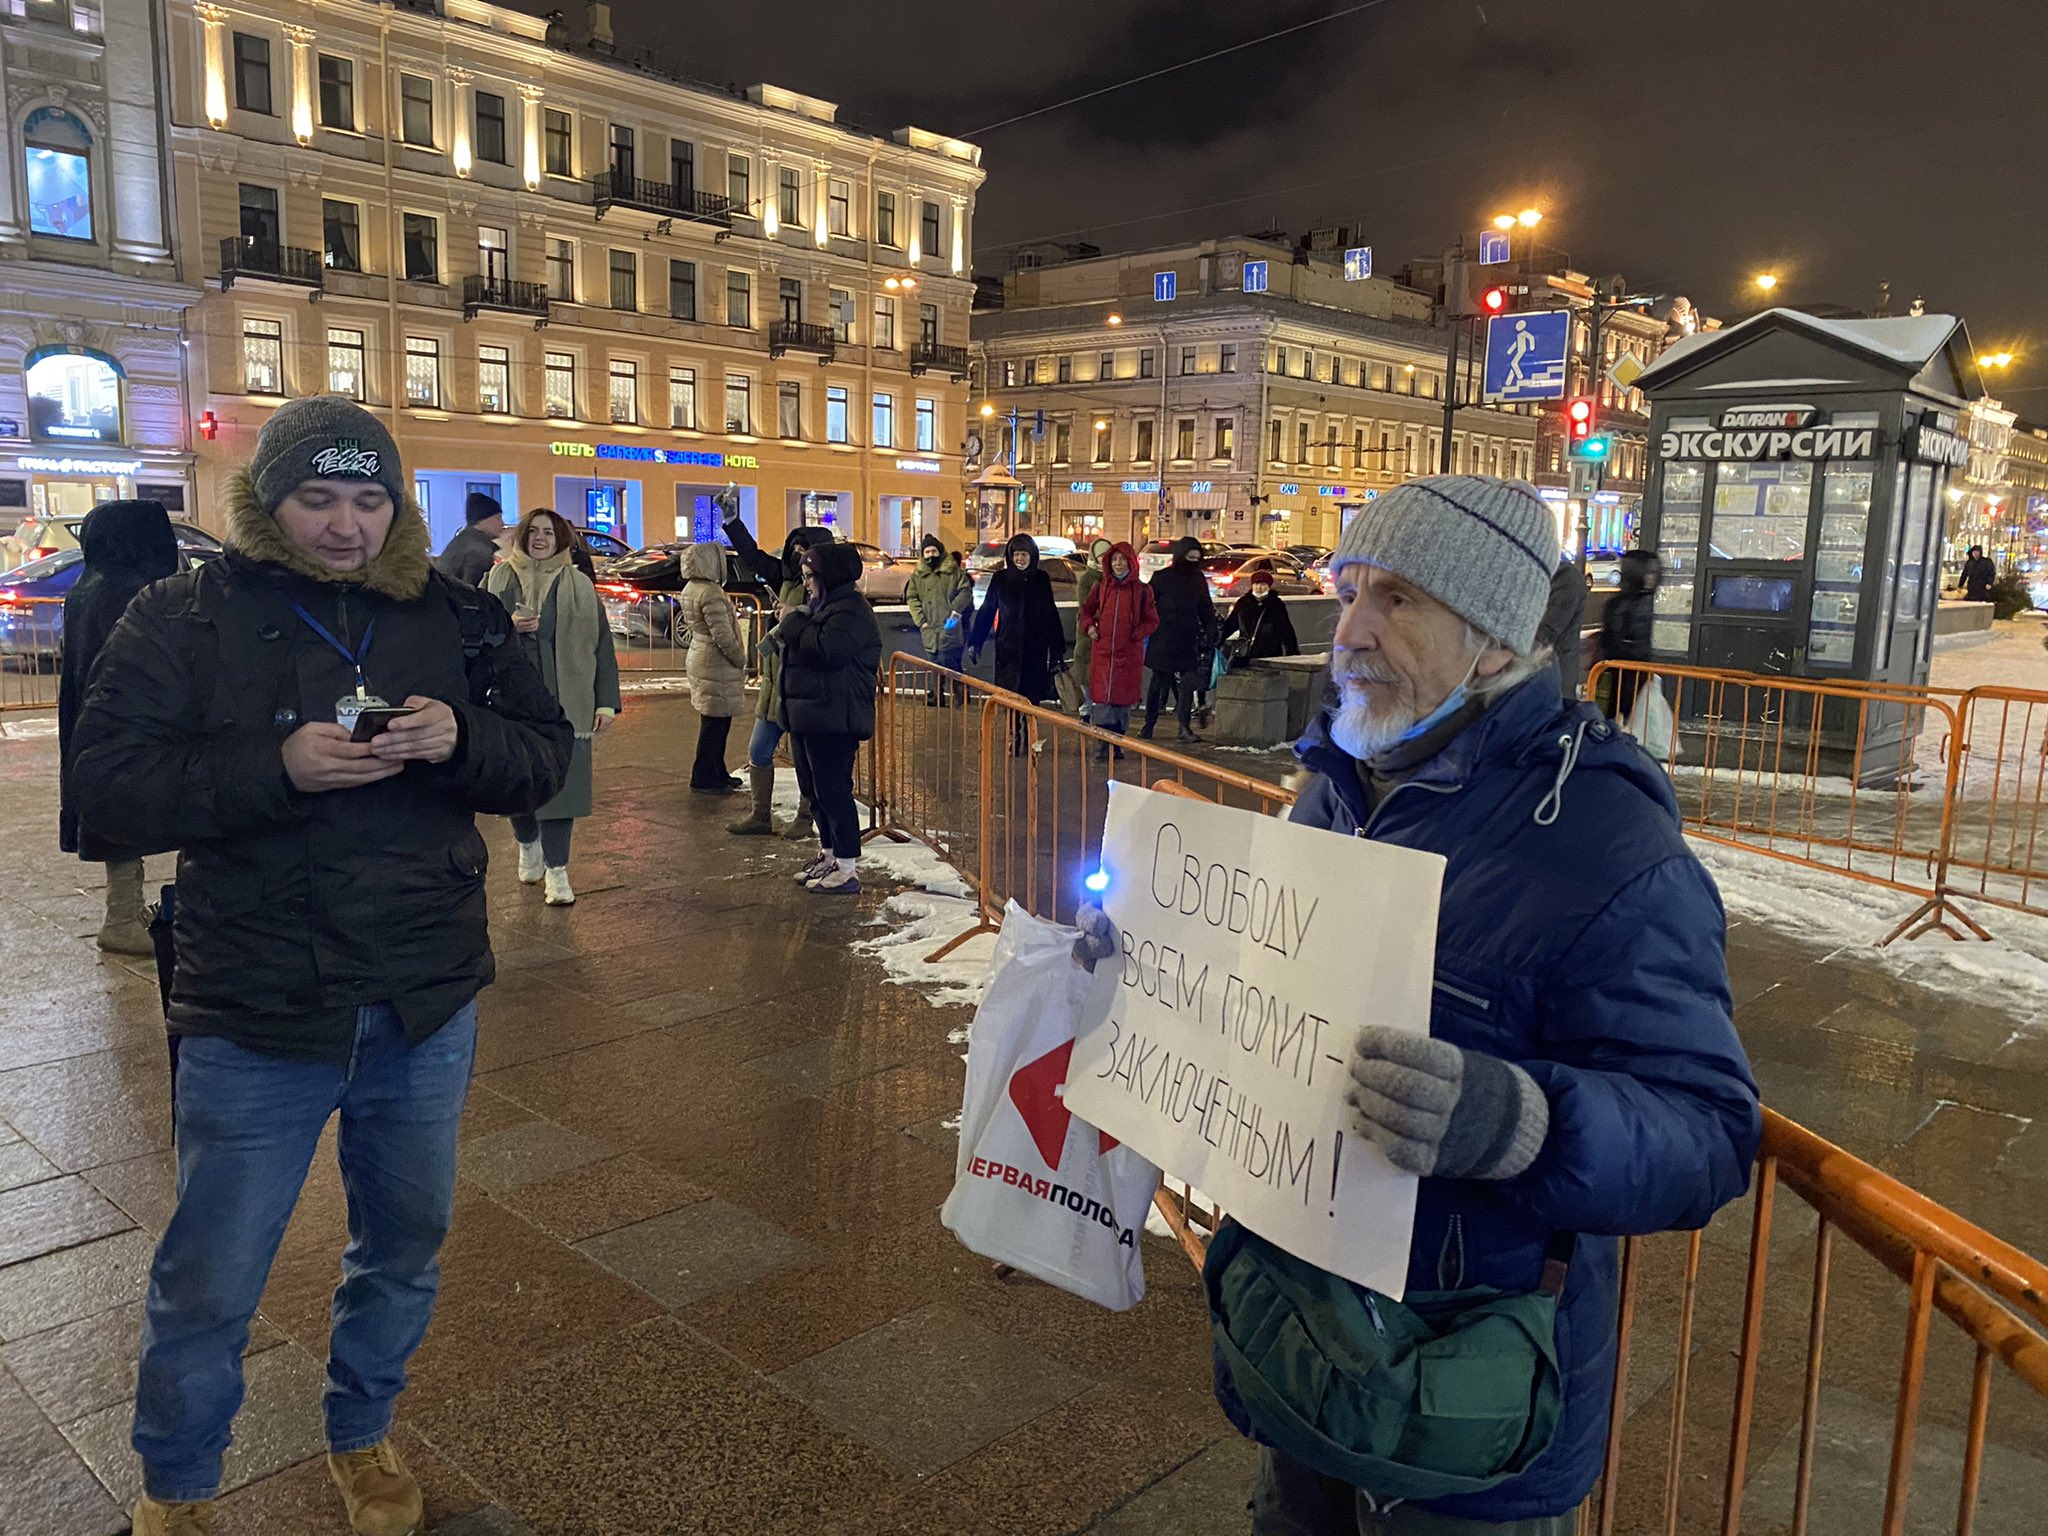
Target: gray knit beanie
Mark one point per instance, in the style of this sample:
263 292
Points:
1485 548
322 437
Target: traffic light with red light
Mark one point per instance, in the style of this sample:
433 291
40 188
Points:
1580 415
1494 301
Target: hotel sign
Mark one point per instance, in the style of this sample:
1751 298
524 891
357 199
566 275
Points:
633 453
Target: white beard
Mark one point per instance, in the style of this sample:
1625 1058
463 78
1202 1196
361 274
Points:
1365 731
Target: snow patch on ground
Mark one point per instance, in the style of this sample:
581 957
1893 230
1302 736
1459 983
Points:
913 863
30 728
1155 1224
918 923
1851 916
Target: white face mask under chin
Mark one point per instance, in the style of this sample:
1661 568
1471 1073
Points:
1365 733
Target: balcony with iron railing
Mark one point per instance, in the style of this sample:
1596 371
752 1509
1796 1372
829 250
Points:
615 189
244 259
480 291
937 357
797 336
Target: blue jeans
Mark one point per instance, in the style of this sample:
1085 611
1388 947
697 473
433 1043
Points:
762 744
247 1125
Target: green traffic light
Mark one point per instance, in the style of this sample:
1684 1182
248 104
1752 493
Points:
1594 448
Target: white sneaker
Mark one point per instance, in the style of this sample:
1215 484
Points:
839 879
558 892
815 868
531 866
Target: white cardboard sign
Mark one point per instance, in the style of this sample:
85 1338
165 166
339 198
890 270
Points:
1217 1041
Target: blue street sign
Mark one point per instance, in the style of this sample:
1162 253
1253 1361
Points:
1164 287
1525 355
1358 264
1493 248
1255 277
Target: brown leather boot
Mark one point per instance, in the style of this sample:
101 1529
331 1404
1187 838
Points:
381 1495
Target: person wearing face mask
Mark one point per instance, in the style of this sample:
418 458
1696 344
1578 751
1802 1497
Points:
1186 635
1118 616
1030 641
830 648
1259 625
1581 1080
941 601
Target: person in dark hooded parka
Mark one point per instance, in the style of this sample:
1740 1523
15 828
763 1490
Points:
1031 645
785 578
1186 635
126 545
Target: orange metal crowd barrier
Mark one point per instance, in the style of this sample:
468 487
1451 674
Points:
31 650
1728 1415
1936 793
648 636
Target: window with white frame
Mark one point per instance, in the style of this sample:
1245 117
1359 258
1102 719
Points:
682 398
1102 442
884 337
422 370
885 420
928 230
1105 366
842 315
416 110
885 218
1142 452
739 182
1226 361
739 403
1187 360
839 208
558 142
347 371
836 423
739 300
1145 362
789 196
57 165
624 392
1273 430
252 74
789 409
1184 439
1223 439
490 127
1065 371
562 270
559 385
928 425
263 356
494 379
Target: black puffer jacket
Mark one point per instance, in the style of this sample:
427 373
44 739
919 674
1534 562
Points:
1020 607
1625 626
295 909
126 545
1187 613
830 652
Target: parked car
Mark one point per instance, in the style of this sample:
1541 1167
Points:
35 538
1307 554
641 593
1157 555
1604 573
1318 571
1230 574
32 595
883 576
1064 571
988 555
605 547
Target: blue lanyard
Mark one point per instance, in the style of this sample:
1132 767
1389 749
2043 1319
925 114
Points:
353 658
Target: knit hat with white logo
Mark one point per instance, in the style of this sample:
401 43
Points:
1485 548
322 437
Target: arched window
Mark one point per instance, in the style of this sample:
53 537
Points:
57 154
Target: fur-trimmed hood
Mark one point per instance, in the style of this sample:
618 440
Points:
398 572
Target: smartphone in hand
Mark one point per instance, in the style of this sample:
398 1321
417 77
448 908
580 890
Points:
373 722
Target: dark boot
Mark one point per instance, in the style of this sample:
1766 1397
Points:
759 822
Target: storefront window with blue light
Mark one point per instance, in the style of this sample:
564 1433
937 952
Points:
74 397
58 170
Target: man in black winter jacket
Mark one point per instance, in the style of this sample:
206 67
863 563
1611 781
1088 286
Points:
330 928
1181 645
472 552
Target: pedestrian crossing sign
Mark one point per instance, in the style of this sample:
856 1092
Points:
1526 355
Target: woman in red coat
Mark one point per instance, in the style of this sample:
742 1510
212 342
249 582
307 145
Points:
1118 616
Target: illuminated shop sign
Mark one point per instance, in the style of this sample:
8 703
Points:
1751 433
919 466
1287 488
1928 443
633 453
74 396
1141 487
50 466
1081 487
1338 491
1201 487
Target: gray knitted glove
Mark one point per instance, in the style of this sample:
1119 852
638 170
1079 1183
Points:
1438 1111
1097 939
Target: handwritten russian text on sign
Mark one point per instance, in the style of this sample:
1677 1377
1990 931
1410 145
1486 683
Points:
1217 1042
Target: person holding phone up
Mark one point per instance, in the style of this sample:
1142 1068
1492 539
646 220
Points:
331 925
563 631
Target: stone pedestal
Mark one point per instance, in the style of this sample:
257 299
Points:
1251 708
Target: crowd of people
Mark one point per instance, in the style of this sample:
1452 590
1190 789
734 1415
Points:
315 721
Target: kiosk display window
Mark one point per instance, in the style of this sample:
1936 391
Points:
1760 510
1838 563
1678 553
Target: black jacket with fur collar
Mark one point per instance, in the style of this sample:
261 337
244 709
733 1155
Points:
294 909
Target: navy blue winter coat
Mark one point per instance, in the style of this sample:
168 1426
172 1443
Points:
1591 953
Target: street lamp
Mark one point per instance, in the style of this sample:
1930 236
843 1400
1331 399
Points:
899 284
1101 425
1767 281
987 410
1528 218
1113 318
1995 360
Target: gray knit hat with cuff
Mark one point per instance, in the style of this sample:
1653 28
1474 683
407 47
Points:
1483 547
323 437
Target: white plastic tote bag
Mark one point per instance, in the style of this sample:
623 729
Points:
1036 1188
1650 720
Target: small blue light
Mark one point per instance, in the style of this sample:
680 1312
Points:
1098 882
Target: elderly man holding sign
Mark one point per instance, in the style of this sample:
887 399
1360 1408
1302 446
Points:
1580 1078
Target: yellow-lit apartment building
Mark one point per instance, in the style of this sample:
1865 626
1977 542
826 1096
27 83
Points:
567 280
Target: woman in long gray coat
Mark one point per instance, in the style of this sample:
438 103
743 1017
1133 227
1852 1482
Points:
562 625
717 664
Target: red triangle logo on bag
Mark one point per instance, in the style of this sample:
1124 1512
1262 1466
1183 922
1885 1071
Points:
1036 1089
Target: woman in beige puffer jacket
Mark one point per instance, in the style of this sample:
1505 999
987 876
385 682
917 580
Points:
717 664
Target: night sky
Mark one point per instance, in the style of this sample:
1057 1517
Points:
1687 144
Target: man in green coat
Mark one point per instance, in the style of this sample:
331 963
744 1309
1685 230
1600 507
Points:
940 596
